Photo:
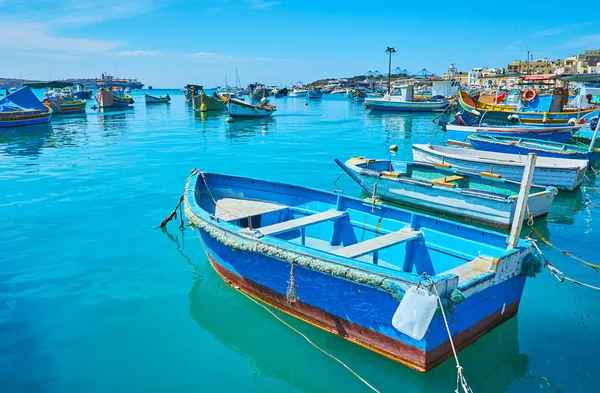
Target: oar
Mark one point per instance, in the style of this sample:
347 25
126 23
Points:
350 173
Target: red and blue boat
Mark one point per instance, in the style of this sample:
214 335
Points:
365 272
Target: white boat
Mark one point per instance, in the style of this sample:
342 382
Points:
157 100
401 99
339 91
238 108
565 174
298 93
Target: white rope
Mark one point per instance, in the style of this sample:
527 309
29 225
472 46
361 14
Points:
461 381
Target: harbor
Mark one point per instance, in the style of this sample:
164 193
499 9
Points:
99 183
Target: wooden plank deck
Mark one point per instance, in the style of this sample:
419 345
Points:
296 223
471 269
378 243
229 209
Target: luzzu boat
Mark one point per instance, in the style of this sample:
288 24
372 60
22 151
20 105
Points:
561 173
466 195
364 272
401 99
113 97
23 108
238 108
166 99
315 94
212 102
524 146
64 103
547 113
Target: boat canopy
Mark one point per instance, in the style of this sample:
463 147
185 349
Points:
21 100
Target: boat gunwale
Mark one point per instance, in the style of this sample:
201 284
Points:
569 149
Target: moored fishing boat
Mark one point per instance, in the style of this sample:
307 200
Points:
315 94
467 195
238 108
326 258
457 134
211 102
561 173
113 97
358 95
298 92
81 93
547 113
64 104
524 146
23 108
401 99
166 99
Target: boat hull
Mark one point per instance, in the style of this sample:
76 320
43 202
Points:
265 278
241 111
458 135
106 99
25 118
380 104
212 104
510 166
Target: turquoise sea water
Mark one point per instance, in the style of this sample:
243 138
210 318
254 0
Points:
94 298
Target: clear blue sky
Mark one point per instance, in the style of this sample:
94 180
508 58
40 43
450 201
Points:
167 43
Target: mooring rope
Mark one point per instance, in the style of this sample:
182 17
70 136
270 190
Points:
567 253
173 215
461 381
560 276
293 328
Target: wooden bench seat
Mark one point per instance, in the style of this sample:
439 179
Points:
229 209
446 181
301 222
378 243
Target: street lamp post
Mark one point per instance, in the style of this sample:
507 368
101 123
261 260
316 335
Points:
390 51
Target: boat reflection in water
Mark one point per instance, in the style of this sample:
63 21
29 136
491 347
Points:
26 141
245 128
275 351
113 121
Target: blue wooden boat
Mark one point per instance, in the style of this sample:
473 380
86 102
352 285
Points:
361 271
561 173
524 146
402 99
314 94
23 108
467 195
457 134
